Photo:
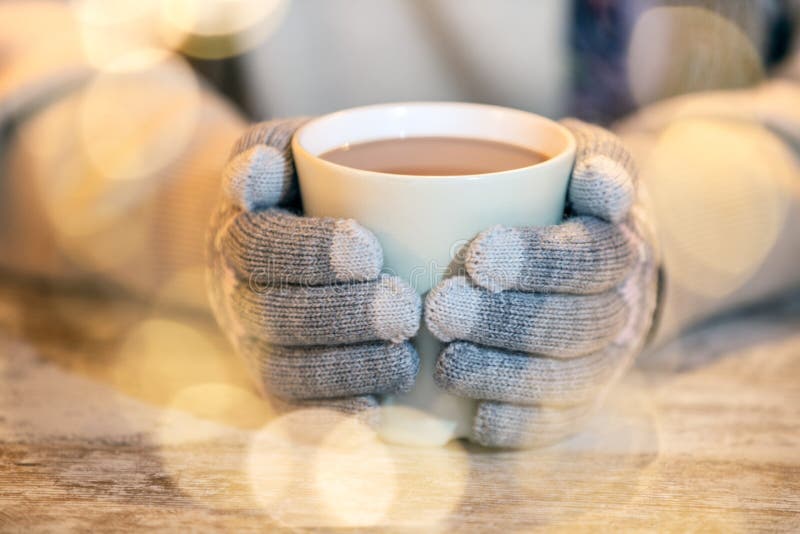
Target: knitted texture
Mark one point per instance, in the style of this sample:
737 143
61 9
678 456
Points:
260 172
548 318
480 372
509 425
552 324
583 256
302 299
345 405
291 372
603 180
328 315
275 246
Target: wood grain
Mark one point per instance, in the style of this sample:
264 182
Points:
120 416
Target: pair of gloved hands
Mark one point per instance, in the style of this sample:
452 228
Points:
543 324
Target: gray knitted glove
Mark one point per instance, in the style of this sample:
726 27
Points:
302 299
549 317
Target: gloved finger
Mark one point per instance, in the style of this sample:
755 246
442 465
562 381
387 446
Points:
363 407
299 373
557 325
583 255
603 180
499 424
346 405
477 372
260 172
278 247
386 309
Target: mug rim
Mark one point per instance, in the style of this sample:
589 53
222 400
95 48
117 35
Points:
567 152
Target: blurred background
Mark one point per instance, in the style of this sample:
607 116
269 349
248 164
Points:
288 57
551 57
175 81
116 118
597 59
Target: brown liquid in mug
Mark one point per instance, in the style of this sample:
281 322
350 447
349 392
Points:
434 156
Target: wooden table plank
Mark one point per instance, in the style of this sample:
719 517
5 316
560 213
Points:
122 416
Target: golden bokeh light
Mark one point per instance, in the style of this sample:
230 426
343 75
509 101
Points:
218 417
99 155
206 400
355 475
160 358
213 29
208 29
115 29
218 17
104 153
135 122
431 483
107 12
224 403
682 49
624 432
205 413
280 467
320 468
720 190
69 202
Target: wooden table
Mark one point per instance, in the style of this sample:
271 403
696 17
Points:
117 415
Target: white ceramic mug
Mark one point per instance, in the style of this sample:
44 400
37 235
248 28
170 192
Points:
422 221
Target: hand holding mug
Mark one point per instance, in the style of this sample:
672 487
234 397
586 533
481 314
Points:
302 299
549 317
544 320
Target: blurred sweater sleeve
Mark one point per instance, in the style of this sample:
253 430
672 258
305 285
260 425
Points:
722 172
108 176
